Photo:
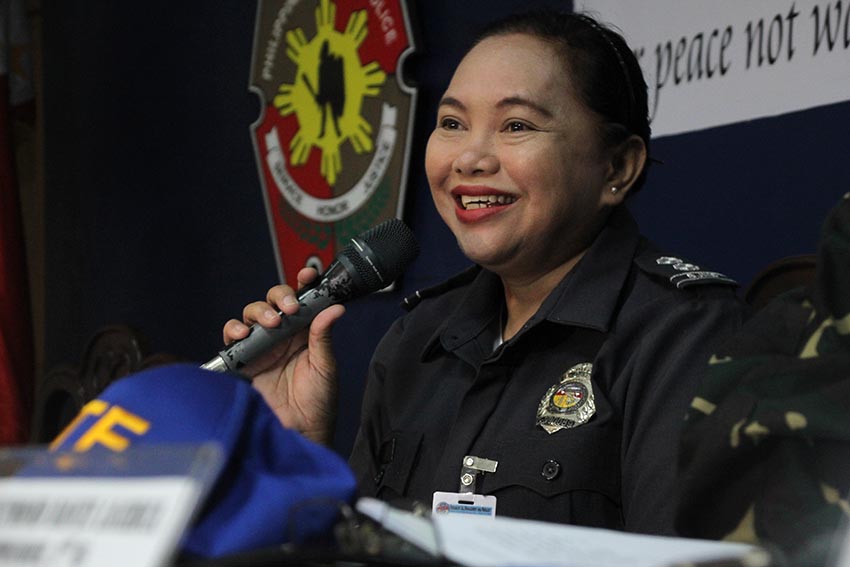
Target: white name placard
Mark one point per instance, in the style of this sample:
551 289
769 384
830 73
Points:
93 522
100 509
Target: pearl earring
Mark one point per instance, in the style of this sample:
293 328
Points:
614 190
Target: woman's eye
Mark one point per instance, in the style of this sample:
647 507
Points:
449 124
517 127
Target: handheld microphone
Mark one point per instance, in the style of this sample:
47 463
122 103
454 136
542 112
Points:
370 261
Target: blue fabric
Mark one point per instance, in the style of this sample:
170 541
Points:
270 473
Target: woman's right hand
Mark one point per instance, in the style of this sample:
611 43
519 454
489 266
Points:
297 378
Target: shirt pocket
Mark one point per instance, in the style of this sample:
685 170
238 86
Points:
584 458
395 460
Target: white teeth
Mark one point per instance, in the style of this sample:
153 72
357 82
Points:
469 202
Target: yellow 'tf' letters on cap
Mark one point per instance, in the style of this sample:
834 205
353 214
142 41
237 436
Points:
102 431
94 407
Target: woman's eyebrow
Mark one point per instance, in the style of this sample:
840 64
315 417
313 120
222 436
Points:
521 101
504 103
453 102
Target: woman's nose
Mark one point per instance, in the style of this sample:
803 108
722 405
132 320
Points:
476 158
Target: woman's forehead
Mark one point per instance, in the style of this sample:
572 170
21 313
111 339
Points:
511 66
517 45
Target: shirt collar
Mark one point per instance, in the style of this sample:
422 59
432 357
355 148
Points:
586 297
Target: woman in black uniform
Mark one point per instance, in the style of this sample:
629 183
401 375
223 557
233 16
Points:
564 360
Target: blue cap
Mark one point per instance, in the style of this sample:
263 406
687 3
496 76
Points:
269 472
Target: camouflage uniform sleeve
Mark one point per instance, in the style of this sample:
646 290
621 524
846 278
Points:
766 445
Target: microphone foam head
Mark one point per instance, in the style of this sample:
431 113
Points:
387 250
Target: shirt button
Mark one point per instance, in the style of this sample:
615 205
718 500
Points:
551 470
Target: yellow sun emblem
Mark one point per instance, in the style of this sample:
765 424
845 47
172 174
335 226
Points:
327 93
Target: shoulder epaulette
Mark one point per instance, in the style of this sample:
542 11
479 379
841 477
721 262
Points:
680 273
457 280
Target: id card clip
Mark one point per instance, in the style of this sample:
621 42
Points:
472 468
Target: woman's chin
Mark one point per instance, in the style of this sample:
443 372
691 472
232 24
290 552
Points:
488 256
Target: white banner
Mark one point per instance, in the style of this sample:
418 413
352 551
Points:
725 61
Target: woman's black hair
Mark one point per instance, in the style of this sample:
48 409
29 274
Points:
609 78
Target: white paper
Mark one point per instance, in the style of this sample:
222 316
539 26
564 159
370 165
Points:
506 542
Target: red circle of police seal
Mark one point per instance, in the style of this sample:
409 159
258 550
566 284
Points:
333 139
568 403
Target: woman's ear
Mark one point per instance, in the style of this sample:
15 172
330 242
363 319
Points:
627 161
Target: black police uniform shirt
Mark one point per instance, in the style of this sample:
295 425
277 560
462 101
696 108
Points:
437 390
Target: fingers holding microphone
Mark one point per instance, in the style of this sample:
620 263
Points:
370 262
283 296
297 376
299 383
284 343
279 299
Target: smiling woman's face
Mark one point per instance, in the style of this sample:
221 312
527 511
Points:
515 164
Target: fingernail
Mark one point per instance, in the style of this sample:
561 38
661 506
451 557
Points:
269 315
289 300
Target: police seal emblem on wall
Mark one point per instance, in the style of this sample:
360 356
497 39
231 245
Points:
333 138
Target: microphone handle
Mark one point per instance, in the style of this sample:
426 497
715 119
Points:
261 339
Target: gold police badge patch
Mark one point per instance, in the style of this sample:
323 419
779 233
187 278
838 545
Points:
568 403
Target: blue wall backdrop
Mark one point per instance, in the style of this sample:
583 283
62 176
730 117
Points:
155 211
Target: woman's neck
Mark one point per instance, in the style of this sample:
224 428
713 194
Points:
525 295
